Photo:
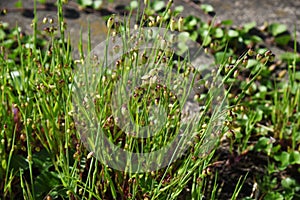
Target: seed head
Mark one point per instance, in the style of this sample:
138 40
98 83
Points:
268 53
172 25
250 52
45 20
110 22
90 155
158 19
180 24
259 57
236 73
230 58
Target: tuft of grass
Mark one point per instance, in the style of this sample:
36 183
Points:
44 155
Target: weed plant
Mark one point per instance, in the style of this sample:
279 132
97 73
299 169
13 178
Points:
42 149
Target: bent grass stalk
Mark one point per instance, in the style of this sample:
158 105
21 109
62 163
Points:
100 180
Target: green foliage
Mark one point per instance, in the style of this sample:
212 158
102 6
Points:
276 29
207 8
95 4
42 155
279 31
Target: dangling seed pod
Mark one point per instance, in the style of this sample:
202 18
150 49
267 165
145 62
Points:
230 58
110 22
163 44
150 24
245 61
144 59
158 19
250 52
258 57
45 20
90 155
172 25
236 73
180 24
268 53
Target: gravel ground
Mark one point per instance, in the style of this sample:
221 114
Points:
241 11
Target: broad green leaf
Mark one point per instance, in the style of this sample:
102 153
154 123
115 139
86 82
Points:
284 158
207 40
251 63
256 38
207 8
2 34
249 26
262 144
183 36
191 21
227 22
98 4
179 9
158 5
134 4
262 50
288 183
233 33
273 195
283 40
194 36
219 33
295 157
19 4
87 2
276 29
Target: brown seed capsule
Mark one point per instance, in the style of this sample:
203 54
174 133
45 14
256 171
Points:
245 61
23 137
230 58
228 68
282 73
268 53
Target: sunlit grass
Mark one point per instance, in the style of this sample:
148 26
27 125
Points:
44 153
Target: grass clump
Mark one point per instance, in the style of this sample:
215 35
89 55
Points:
46 153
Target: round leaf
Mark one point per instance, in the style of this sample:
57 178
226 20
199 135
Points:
233 33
